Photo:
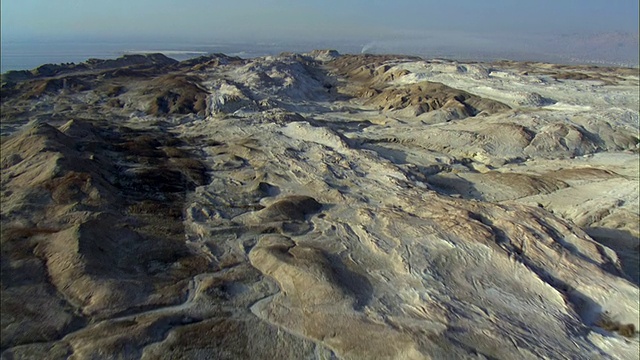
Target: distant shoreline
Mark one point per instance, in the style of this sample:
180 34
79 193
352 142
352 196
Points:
18 56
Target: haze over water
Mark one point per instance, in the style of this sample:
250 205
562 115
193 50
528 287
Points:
590 31
24 55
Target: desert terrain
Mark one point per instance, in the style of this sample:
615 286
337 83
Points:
319 206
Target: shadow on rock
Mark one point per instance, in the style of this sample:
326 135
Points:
626 246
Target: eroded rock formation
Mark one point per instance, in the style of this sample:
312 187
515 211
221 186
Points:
319 206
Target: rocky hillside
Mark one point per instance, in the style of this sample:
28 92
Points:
319 206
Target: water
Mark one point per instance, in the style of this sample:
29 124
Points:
30 55
22 55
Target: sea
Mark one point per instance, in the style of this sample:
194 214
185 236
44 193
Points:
27 55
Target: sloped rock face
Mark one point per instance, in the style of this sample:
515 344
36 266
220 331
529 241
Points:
375 79
319 206
176 95
228 98
424 97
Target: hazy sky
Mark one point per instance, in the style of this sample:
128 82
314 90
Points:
321 19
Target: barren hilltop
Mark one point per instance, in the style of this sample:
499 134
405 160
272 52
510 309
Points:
319 206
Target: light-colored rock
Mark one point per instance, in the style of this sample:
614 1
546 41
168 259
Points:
321 206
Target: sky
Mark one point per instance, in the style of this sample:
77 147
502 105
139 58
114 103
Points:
201 20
